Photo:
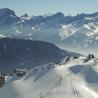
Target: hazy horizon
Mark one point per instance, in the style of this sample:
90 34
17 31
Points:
36 7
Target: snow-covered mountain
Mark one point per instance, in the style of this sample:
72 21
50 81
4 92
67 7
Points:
80 31
76 78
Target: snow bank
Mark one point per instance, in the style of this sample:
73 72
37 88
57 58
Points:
74 79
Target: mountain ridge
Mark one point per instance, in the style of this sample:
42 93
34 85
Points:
71 79
21 53
77 32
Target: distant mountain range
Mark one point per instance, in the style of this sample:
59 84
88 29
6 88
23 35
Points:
80 31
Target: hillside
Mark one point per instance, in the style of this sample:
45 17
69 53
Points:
73 79
20 53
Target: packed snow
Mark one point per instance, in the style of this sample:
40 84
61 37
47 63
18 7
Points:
18 31
1 36
66 31
76 78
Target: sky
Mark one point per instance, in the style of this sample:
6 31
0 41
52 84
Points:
41 7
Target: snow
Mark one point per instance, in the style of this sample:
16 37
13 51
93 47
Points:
97 38
23 19
72 79
86 26
90 34
94 95
18 31
93 29
66 31
34 29
88 18
1 36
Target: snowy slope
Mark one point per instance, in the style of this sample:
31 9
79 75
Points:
74 79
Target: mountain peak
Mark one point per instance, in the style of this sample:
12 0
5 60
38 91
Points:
25 15
7 18
6 11
59 14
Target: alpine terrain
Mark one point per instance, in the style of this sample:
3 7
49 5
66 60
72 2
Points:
76 33
76 78
45 56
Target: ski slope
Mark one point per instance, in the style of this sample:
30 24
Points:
72 79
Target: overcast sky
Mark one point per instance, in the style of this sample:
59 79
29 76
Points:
36 7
